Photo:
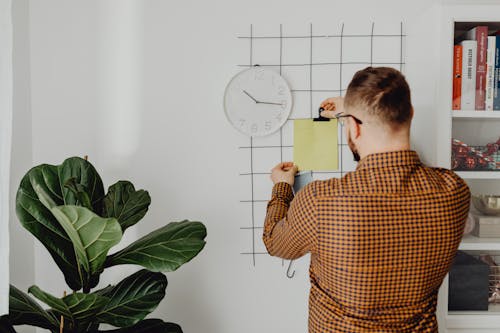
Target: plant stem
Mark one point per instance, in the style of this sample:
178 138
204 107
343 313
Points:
61 327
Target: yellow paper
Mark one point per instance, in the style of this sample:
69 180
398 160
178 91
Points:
315 144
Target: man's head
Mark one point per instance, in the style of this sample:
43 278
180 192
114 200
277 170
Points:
380 98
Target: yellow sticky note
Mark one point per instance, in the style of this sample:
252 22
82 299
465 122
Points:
315 144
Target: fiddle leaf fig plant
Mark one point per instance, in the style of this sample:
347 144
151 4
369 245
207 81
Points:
65 208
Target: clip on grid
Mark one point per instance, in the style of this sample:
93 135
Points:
252 147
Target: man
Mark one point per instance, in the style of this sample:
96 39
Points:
381 238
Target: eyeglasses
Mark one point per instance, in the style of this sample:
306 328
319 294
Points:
341 115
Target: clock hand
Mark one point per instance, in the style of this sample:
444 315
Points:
256 101
259 102
270 103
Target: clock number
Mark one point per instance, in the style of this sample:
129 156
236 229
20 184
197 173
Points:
279 117
281 90
283 104
254 128
267 125
259 75
242 122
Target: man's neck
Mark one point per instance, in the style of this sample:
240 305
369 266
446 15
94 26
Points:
385 147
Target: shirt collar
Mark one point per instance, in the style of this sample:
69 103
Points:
389 159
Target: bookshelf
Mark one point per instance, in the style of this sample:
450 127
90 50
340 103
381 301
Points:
475 114
474 128
474 320
472 243
479 174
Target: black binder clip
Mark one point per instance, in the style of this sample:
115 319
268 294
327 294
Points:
321 118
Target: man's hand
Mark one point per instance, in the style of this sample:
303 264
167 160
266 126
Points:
332 106
284 172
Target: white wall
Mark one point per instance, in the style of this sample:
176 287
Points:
22 269
155 117
5 143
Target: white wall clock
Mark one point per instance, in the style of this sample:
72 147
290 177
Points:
257 101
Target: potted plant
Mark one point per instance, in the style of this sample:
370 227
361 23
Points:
65 208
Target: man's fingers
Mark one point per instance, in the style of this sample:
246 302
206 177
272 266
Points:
293 169
332 104
287 166
329 106
283 166
284 172
327 101
328 114
278 166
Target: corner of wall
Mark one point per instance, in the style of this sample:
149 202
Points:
22 273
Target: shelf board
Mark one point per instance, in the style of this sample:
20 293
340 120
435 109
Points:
473 243
475 319
475 114
479 174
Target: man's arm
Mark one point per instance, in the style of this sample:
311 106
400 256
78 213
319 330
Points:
290 225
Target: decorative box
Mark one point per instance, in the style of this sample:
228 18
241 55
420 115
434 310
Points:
468 284
486 226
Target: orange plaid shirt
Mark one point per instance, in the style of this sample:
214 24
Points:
381 238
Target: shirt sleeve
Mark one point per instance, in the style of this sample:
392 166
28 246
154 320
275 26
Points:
290 224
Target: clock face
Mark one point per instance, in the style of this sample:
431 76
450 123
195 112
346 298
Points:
257 101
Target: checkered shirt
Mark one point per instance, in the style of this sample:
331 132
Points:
381 239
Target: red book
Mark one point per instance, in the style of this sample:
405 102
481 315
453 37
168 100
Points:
457 77
480 34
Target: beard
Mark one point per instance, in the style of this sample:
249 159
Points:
352 146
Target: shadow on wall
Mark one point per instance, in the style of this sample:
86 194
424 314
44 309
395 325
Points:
121 99
121 79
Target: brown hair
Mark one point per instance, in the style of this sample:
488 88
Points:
383 92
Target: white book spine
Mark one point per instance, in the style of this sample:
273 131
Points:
469 58
490 72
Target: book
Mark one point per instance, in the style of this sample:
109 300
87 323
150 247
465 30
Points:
469 48
480 34
490 72
496 80
457 77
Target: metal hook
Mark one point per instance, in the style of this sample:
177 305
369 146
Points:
288 275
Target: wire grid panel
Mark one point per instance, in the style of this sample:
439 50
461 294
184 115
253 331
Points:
318 62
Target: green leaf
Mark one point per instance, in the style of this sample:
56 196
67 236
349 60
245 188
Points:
55 303
126 204
39 221
79 192
37 218
78 309
164 249
92 237
86 176
85 307
133 298
104 291
5 326
150 326
23 310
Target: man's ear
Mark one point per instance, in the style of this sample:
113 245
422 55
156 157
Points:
356 129
411 113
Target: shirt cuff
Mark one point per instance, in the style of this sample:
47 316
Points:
283 191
